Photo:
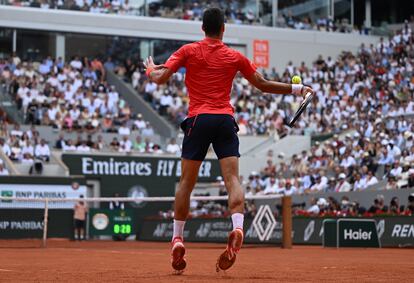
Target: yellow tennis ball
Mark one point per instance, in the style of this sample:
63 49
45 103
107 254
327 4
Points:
296 80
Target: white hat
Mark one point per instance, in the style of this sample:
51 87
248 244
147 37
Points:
384 142
342 176
322 202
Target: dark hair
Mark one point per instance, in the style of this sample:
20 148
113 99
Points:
213 20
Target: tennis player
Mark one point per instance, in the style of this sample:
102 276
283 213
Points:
210 69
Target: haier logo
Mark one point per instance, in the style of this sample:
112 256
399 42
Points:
350 234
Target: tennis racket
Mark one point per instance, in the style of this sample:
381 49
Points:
302 107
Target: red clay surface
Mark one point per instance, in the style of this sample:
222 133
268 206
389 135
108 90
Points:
104 261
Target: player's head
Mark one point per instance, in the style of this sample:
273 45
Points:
213 22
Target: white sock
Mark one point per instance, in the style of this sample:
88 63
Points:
178 229
237 219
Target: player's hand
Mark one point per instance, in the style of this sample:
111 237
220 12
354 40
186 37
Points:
306 90
149 63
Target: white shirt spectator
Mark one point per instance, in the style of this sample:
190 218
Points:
3 171
343 187
371 181
76 63
348 161
396 171
150 87
125 146
140 123
42 150
124 131
360 185
69 147
271 189
83 148
173 148
314 209
28 149
6 149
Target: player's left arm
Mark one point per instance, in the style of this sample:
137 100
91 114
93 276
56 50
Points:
159 74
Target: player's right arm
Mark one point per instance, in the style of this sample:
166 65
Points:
268 86
248 69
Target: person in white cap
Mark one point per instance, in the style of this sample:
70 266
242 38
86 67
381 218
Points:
343 185
314 208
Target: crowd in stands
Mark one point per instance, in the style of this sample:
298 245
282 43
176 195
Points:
75 99
353 90
372 94
345 207
236 12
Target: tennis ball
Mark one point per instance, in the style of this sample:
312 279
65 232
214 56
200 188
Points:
296 80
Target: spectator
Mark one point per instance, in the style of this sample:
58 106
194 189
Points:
313 210
3 170
173 147
125 145
343 185
371 179
42 151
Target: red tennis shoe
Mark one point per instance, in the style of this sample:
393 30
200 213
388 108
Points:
228 257
177 255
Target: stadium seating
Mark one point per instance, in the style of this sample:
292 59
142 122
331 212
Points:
236 12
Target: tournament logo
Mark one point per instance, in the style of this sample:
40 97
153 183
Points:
100 221
137 192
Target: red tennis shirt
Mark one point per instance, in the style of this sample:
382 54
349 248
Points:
210 69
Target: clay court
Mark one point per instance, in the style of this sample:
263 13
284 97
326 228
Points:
104 261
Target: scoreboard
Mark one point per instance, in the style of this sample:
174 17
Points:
107 222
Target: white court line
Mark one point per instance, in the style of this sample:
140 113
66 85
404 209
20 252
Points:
7 270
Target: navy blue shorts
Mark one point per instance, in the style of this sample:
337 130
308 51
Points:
205 129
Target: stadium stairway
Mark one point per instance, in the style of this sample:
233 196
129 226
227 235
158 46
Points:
139 105
256 155
9 107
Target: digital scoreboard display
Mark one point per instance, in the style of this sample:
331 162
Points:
106 222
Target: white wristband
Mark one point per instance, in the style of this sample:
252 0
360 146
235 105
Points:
297 89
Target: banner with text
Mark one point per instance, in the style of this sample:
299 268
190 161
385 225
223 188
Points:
40 191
